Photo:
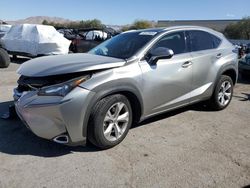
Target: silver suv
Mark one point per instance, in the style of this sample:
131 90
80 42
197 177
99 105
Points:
97 96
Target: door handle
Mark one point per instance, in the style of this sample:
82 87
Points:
187 64
218 56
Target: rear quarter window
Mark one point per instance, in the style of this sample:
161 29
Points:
216 41
201 40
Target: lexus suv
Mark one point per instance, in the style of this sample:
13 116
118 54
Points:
97 96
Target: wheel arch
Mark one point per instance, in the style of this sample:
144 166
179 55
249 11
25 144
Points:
229 70
128 90
231 73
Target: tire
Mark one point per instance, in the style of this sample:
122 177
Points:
4 58
14 57
104 118
220 94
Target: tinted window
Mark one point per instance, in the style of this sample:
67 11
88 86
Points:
124 45
216 41
173 41
200 40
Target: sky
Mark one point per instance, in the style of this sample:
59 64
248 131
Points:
117 12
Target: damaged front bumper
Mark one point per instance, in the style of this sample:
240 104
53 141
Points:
50 117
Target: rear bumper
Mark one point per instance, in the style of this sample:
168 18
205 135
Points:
51 116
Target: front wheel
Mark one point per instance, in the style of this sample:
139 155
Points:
223 93
110 121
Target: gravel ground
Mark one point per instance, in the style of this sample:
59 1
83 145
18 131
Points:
190 147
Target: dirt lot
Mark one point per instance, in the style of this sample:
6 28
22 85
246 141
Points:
190 147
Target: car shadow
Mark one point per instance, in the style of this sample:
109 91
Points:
16 139
247 186
19 60
245 97
201 107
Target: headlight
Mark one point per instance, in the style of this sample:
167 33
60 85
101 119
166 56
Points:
62 89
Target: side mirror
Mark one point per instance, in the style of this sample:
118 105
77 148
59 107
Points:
160 53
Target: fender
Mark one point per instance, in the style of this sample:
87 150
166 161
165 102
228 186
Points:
110 88
224 69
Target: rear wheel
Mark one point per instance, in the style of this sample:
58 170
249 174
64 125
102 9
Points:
222 94
110 121
4 58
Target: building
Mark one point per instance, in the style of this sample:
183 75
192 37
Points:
218 25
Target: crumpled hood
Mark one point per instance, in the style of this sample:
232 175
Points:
70 63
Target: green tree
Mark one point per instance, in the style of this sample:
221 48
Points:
138 24
239 30
245 28
45 22
84 24
232 31
95 23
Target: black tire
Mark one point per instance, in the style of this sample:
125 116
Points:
14 57
96 122
4 58
214 102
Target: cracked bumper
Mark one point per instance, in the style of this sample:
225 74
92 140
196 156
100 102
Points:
51 116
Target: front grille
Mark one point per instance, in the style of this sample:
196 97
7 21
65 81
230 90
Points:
26 83
22 88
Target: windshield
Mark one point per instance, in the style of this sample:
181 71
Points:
124 45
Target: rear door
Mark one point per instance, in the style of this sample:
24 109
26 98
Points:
205 53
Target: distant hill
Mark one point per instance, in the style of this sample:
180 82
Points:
39 20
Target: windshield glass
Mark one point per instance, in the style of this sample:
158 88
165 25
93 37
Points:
124 45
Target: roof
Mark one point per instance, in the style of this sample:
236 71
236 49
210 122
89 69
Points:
219 25
162 29
193 21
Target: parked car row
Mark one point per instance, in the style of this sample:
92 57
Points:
4 28
33 40
244 60
84 40
244 66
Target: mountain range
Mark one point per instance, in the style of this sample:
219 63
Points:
38 20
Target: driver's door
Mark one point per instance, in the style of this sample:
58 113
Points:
167 84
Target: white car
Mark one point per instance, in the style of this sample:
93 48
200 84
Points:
35 40
4 29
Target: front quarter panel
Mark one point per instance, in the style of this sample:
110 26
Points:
115 77
123 79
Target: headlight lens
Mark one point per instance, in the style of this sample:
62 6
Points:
62 89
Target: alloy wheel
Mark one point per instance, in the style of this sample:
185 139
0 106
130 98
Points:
115 121
225 92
